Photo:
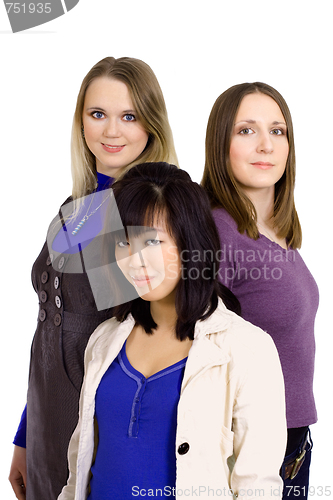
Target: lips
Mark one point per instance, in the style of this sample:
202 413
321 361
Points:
263 165
112 149
141 281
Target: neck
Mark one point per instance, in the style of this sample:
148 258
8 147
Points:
263 201
164 314
110 172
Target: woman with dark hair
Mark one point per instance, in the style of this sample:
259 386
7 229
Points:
120 120
176 381
250 178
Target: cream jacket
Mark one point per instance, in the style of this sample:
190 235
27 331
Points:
231 412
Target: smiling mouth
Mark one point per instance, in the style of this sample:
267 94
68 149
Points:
112 149
142 278
141 281
262 164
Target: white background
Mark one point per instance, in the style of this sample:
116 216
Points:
197 50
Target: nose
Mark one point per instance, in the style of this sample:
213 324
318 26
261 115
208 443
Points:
136 260
265 144
112 128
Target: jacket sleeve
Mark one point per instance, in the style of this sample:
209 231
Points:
85 424
259 425
68 491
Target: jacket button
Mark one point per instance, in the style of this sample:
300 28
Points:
183 448
57 320
56 282
44 277
42 315
43 296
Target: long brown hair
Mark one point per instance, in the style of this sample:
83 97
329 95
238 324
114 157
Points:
219 181
149 105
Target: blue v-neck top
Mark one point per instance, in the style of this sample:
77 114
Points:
137 419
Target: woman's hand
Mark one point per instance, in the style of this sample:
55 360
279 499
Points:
18 472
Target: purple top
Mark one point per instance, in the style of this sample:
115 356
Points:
277 293
104 182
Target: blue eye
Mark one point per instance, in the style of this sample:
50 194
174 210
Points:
129 118
98 114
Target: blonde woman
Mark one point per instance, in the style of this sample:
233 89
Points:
120 120
250 178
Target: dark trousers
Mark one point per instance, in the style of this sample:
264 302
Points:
297 488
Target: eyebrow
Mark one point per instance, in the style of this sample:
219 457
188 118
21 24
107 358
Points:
97 108
155 229
254 121
147 229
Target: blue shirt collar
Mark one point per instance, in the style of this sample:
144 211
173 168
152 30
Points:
104 181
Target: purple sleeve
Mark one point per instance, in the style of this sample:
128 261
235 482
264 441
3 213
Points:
21 434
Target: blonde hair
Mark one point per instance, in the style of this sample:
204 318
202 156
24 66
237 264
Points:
219 181
149 105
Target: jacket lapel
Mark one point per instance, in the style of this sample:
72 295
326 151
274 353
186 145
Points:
204 353
109 342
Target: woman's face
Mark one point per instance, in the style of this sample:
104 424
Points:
150 261
259 145
111 129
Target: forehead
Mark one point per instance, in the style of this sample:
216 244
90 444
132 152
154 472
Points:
105 91
259 107
151 227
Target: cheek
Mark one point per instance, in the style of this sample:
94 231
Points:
286 153
120 264
88 127
174 272
172 254
173 264
91 134
281 155
122 261
140 138
237 154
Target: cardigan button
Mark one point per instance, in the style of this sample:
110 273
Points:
42 315
57 301
56 282
43 296
57 320
183 448
44 277
61 262
49 260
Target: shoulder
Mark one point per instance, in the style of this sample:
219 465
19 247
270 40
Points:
102 337
68 200
224 219
104 329
241 339
226 225
250 339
